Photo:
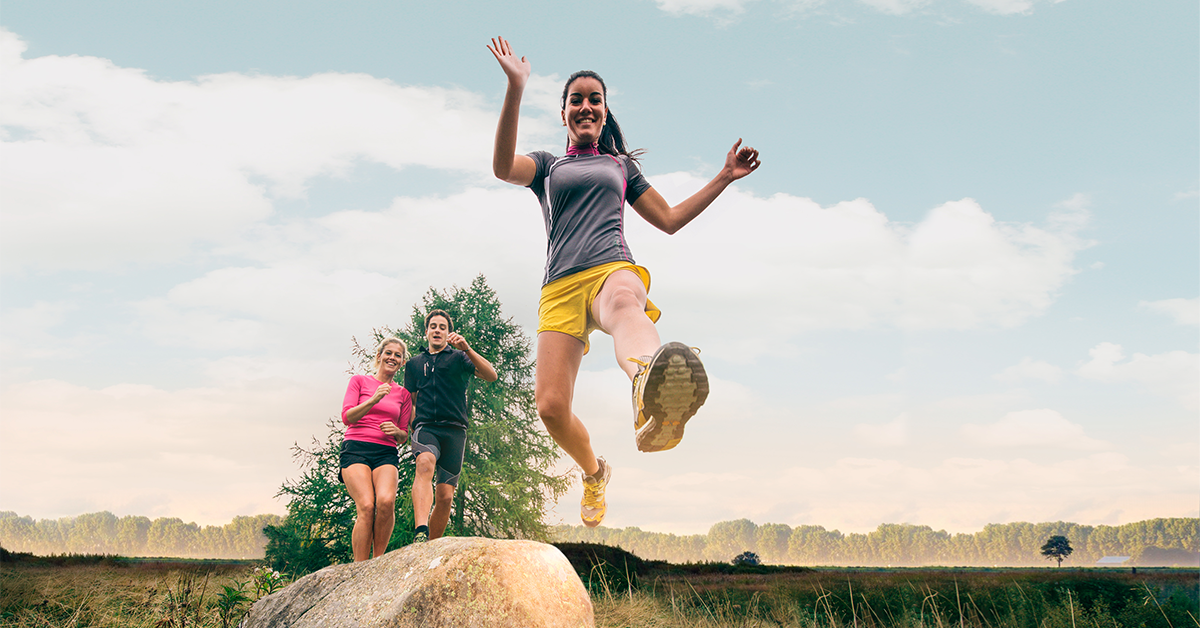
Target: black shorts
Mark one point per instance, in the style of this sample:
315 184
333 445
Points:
373 455
447 443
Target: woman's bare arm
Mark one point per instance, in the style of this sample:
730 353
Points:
655 209
506 164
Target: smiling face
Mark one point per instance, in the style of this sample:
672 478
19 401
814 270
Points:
585 110
436 332
390 358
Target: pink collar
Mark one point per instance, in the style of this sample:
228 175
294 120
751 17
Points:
576 149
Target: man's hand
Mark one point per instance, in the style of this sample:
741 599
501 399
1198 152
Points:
457 341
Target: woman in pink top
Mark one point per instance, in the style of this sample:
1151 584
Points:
376 412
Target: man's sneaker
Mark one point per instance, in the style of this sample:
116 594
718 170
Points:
592 506
669 388
420 537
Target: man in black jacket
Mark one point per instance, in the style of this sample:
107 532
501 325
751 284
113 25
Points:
437 379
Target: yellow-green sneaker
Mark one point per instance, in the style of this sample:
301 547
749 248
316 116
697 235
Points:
668 389
592 507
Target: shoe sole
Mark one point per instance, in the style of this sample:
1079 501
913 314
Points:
676 387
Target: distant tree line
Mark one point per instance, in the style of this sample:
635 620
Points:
105 533
1152 542
1148 543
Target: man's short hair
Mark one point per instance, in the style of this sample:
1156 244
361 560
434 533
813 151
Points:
443 314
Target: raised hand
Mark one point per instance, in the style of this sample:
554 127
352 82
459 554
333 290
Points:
741 162
381 392
457 341
516 70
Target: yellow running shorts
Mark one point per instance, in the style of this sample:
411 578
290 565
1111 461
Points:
566 303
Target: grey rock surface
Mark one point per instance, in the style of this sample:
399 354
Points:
453 581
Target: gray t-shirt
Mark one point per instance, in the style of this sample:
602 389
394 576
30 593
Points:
583 203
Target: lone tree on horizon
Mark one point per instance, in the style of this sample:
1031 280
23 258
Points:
1058 548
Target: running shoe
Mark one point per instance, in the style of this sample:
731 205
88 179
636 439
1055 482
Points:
420 537
592 506
669 388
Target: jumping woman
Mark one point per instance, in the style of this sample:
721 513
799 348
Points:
591 280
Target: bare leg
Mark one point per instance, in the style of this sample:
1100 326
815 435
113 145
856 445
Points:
674 387
385 479
441 511
558 358
359 484
620 311
422 491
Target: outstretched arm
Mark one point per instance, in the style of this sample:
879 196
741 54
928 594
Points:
506 164
654 208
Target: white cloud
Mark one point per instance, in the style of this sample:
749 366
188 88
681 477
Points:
1072 214
723 8
1004 7
847 267
1175 373
801 7
34 323
1033 428
204 454
236 309
104 165
703 7
891 434
896 7
1028 368
219 149
320 280
806 468
843 267
1184 311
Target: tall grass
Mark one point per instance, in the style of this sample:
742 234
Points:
901 599
124 594
116 594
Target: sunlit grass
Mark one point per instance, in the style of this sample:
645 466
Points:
834 598
116 593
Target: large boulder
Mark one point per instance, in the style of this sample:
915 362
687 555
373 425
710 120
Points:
452 581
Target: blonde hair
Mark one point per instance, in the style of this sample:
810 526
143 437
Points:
390 341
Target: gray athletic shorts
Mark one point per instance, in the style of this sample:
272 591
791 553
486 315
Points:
447 443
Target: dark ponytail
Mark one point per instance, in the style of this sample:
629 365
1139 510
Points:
612 140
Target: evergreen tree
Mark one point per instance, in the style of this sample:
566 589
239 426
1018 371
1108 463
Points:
507 481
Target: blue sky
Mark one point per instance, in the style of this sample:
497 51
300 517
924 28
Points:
962 289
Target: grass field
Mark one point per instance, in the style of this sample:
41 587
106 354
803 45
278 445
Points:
908 597
105 592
